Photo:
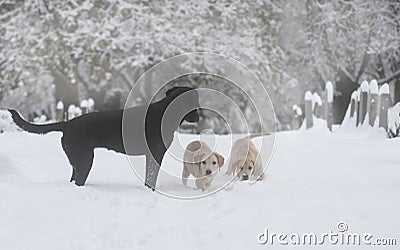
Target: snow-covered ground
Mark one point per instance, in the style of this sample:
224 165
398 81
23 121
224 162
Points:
315 180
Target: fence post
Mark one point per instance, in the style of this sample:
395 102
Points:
60 111
71 112
328 104
363 102
308 109
84 106
353 103
373 102
323 99
357 108
384 106
90 105
296 121
78 112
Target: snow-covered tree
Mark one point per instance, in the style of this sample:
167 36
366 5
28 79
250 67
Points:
93 47
345 42
76 49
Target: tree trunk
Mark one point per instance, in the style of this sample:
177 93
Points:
65 91
397 91
344 88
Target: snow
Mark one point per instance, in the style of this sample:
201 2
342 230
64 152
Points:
78 111
90 103
364 86
60 105
329 91
308 96
354 95
6 122
319 125
316 99
84 104
298 110
373 87
71 111
384 89
71 108
394 118
40 119
315 179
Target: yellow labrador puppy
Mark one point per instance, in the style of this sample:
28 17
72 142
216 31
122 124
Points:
245 160
202 163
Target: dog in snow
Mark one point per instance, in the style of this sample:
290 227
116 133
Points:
202 163
142 132
245 160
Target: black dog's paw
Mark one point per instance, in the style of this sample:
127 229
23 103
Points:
147 185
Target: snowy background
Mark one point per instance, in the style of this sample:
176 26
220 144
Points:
72 50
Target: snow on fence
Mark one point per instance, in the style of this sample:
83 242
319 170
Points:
368 105
86 106
317 107
60 111
297 117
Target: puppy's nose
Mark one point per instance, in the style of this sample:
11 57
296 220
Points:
245 177
208 172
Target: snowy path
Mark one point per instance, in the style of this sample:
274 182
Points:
314 181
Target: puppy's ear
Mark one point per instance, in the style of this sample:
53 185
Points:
238 164
220 158
198 158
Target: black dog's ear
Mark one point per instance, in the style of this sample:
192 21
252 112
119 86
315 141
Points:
171 90
177 90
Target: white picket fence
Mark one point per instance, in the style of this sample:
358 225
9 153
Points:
369 104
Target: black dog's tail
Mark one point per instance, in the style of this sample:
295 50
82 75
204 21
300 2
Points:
33 128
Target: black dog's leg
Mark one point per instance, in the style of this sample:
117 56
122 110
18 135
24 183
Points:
66 150
152 169
83 167
81 159
73 175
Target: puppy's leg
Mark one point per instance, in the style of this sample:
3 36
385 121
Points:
185 175
200 184
231 168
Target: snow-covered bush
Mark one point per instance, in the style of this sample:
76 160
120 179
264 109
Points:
6 122
394 120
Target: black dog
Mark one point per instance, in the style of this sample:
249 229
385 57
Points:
144 132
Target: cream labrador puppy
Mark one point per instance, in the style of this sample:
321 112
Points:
202 163
245 160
